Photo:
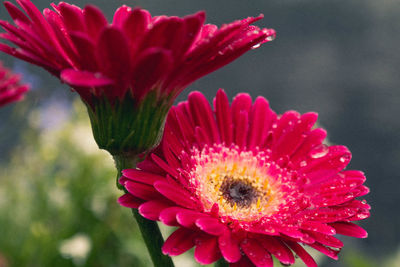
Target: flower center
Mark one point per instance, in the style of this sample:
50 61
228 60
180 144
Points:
244 184
238 192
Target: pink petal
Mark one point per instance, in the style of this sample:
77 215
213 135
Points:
211 226
129 201
314 138
241 103
176 194
150 70
276 247
349 229
318 227
285 123
331 253
42 27
224 117
203 116
142 191
302 253
293 135
193 24
206 251
326 240
95 21
151 210
185 125
178 242
256 253
319 169
84 78
121 14
15 13
166 33
85 49
261 117
242 126
172 141
202 138
72 17
149 166
135 26
229 247
168 216
142 176
114 58
162 164
188 218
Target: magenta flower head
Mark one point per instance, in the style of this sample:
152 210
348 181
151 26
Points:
11 90
128 72
244 184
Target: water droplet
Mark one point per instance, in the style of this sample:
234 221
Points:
362 216
282 161
364 201
255 46
344 158
319 152
303 163
271 38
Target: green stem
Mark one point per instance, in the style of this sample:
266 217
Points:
150 232
221 263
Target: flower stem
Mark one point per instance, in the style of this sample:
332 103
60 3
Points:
149 229
221 263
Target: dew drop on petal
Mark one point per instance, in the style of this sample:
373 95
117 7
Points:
271 38
319 152
344 158
303 163
255 46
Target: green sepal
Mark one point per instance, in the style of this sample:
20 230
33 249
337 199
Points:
128 126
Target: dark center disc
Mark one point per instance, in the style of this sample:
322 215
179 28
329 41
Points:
238 192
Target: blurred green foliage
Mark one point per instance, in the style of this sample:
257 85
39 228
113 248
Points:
58 189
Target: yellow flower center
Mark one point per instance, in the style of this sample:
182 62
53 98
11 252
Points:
238 181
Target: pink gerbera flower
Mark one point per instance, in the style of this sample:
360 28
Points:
115 67
11 89
242 183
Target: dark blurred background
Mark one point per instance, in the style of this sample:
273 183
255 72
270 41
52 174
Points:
339 58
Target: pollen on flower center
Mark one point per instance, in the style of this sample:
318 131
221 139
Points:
238 181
